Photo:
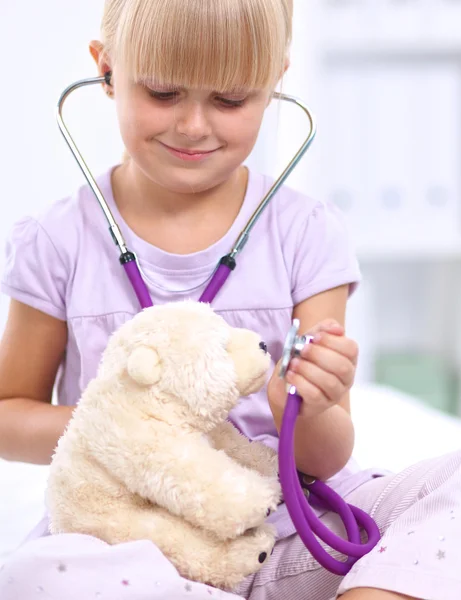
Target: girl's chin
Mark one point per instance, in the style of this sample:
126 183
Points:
184 180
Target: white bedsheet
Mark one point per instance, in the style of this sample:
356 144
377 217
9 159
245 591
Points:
393 430
21 502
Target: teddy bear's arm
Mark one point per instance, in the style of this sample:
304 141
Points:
253 455
191 480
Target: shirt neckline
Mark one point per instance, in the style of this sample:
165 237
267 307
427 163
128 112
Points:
159 260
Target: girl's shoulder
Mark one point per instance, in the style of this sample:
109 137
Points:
295 212
42 250
62 230
312 237
66 220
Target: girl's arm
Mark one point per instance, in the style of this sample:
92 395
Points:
324 434
31 351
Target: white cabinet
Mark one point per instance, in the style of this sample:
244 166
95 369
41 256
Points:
392 146
388 100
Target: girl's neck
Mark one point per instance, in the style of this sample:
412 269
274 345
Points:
177 223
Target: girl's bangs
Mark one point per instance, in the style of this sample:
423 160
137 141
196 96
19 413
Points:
220 45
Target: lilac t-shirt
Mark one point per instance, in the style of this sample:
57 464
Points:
65 264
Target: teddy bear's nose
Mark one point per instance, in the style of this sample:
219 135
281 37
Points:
263 347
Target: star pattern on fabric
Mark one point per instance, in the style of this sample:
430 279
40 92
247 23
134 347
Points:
62 568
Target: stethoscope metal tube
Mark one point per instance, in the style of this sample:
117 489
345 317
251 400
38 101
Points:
243 237
128 258
113 227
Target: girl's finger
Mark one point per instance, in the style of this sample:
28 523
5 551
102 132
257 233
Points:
330 385
314 400
328 361
339 344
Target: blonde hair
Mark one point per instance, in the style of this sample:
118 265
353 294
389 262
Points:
216 44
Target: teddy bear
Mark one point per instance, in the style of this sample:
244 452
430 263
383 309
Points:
149 452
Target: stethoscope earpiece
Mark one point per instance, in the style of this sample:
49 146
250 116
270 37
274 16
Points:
108 77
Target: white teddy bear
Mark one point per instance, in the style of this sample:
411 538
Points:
148 453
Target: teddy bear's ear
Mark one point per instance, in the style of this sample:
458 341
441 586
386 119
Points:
143 366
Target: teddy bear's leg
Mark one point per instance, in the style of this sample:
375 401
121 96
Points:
197 554
241 559
201 557
252 455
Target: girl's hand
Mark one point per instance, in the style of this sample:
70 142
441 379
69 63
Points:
322 375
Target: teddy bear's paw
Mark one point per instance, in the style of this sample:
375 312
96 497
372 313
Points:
260 499
248 554
274 491
245 508
270 494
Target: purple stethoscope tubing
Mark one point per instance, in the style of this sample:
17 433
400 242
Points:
306 522
217 281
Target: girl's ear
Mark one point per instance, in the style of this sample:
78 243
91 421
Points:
101 59
99 56
287 64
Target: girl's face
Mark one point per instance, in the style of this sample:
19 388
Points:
187 140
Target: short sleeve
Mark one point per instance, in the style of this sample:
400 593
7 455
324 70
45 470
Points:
35 274
323 256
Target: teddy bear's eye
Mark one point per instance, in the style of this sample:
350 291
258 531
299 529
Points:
263 347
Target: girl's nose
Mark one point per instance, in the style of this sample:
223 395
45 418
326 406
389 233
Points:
192 122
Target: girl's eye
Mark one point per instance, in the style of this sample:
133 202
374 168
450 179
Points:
163 95
168 96
227 102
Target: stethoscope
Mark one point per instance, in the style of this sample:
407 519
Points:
296 488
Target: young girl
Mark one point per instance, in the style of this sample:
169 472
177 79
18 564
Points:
191 81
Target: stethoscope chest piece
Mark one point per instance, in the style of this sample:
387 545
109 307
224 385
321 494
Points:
293 346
